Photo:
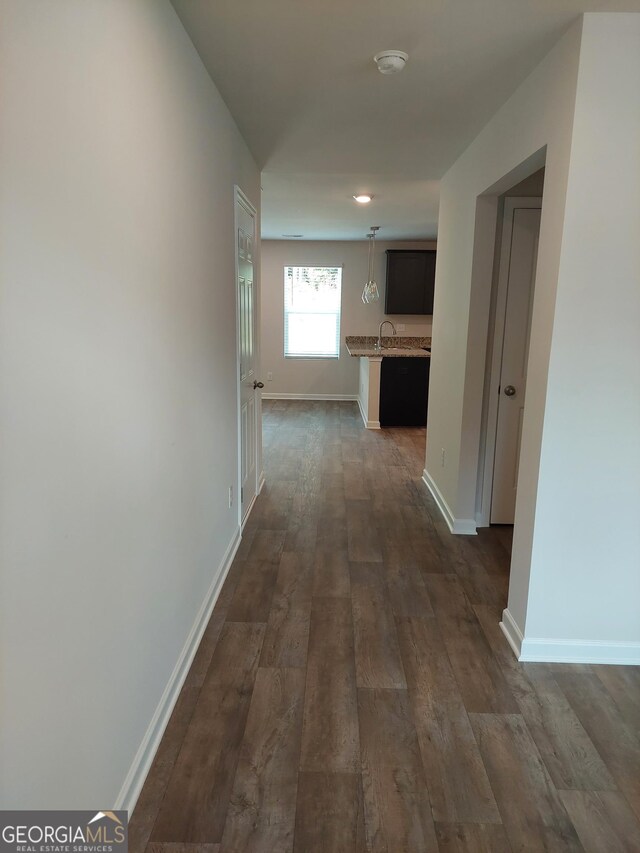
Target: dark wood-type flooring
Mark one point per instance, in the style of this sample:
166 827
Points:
353 691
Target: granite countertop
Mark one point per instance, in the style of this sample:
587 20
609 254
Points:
363 346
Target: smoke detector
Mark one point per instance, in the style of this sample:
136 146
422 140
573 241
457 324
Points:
390 61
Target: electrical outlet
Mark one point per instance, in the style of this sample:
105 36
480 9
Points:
230 496
269 376
400 327
444 458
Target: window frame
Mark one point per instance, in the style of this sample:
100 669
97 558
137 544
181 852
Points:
338 314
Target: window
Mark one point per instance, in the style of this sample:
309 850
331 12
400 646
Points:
312 297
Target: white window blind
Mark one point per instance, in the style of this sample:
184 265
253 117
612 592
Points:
312 299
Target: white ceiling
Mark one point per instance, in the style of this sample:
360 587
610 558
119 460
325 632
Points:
323 123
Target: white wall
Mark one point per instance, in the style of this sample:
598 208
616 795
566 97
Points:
117 380
585 569
325 376
539 114
536 125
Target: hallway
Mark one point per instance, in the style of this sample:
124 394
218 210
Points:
353 690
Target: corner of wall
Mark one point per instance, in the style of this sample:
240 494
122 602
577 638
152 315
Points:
464 526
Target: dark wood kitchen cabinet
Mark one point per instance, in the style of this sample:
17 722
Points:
410 281
404 391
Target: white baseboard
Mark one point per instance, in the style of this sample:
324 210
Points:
579 651
250 507
465 526
141 764
261 482
284 396
368 424
512 632
543 650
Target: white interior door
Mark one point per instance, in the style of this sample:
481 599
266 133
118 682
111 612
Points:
247 357
515 288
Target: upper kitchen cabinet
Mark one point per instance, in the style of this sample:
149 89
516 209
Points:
410 280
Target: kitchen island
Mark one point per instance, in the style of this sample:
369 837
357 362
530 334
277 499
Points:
365 348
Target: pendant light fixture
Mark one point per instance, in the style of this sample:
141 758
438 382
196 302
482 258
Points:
370 292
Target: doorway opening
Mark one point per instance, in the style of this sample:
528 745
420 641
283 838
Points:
513 284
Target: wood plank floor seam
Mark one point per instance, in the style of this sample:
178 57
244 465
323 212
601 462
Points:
353 692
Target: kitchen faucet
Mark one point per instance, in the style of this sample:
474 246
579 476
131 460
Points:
379 344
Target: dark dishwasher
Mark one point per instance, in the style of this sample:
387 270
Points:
404 390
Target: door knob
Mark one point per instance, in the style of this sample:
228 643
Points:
257 384
509 390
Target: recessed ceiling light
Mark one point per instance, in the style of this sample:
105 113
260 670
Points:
363 199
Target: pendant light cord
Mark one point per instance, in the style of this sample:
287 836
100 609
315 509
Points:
370 291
